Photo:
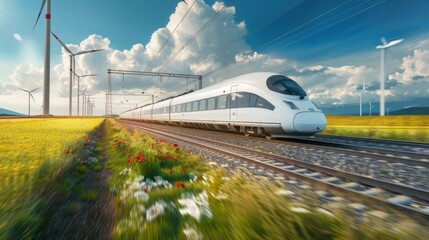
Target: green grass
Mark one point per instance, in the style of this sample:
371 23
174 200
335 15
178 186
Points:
407 128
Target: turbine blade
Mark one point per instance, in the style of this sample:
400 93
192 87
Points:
40 12
32 96
34 89
62 44
23 89
89 51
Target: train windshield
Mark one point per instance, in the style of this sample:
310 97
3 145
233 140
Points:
282 84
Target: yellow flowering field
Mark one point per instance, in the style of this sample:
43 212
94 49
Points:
31 147
409 128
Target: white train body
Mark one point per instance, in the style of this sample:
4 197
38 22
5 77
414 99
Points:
258 103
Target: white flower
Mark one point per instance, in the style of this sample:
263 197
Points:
141 196
139 178
155 210
195 206
299 210
192 234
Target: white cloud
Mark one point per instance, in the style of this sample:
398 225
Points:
17 37
414 67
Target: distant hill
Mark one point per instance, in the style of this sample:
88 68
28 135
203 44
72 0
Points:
5 112
411 111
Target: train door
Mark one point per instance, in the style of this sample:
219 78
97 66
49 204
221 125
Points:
233 105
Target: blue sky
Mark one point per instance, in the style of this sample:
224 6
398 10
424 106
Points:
327 46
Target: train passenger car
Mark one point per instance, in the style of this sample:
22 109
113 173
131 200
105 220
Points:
258 103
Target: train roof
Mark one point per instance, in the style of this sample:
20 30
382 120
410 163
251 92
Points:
257 78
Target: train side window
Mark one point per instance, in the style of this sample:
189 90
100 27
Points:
242 100
188 106
252 100
262 103
203 105
195 106
221 102
179 108
211 103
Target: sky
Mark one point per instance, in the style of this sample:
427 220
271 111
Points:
328 47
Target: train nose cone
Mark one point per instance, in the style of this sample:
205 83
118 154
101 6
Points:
309 122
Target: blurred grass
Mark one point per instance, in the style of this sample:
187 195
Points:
31 154
407 128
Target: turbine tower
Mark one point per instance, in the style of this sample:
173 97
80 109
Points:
360 97
382 48
29 94
46 78
78 87
72 67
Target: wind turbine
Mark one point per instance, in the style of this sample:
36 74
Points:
47 54
370 108
29 94
83 101
78 86
382 48
72 67
360 97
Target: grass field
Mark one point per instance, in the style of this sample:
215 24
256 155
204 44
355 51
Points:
408 128
31 152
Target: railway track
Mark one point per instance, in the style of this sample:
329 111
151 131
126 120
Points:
400 151
376 193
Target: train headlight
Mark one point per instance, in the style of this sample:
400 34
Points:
291 105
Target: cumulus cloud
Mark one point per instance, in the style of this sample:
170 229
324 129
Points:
18 37
414 68
27 76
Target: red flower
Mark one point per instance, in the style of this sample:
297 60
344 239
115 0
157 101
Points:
77 157
139 157
175 145
84 163
145 190
183 169
180 185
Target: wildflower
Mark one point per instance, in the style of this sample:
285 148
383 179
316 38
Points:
139 157
141 196
175 145
155 210
77 157
299 210
195 206
180 185
191 233
183 169
85 163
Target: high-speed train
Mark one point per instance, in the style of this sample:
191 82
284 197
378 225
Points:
260 103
